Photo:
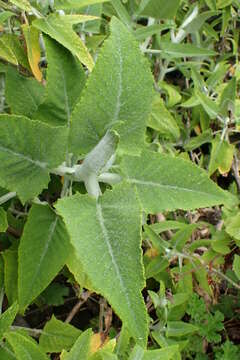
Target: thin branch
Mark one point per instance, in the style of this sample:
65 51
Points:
76 308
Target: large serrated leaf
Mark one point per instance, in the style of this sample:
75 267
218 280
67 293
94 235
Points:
167 183
59 27
44 245
65 80
28 150
24 348
118 94
16 86
106 236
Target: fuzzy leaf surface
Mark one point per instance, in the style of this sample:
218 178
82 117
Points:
81 348
106 236
59 28
167 183
28 150
44 245
65 80
113 97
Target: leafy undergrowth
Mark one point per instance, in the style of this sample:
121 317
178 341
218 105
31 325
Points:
119 180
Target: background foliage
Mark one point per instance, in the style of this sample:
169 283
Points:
119 118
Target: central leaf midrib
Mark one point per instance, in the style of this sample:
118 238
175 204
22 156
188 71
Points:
106 238
38 163
165 186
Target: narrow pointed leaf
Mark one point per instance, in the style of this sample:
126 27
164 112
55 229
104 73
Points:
167 183
24 348
65 80
184 50
60 28
28 150
113 97
10 257
43 251
16 86
106 234
6 319
31 35
75 4
3 220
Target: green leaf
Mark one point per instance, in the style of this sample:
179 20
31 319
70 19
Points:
5 15
3 220
228 97
173 96
168 353
198 22
180 328
54 294
161 120
122 13
12 42
65 80
75 267
22 4
16 86
159 9
167 183
209 105
6 53
236 265
28 150
221 156
31 35
197 141
174 50
24 348
105 251
59 27
57 336
10 257
233 226
113 97
44 245
75 4
81 348
6 319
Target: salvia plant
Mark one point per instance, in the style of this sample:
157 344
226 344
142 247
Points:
89 152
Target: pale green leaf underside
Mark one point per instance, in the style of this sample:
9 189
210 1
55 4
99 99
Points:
60 28
43 251
24 348
65 80
28 150
106 236
118 94
167 183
